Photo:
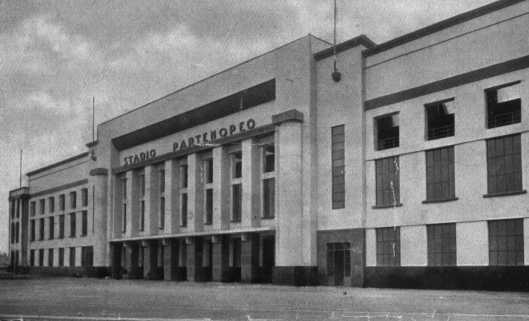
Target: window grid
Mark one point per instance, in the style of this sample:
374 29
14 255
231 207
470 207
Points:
236 202
506 242
269 197
441 244
338 166
440 178
387 181
388 246
504 164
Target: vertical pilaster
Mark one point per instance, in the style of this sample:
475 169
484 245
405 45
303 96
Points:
131 260
150 254
132 205
191 258
172 201
170 259
221 192
220 258
151 200
194 194
250 184
249 257
97 213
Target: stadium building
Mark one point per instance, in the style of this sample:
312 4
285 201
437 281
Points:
406 167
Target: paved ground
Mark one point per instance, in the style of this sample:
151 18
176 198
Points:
97 299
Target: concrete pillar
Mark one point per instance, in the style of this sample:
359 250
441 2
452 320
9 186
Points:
194 195
371 247
151 200
172 201
250 184
97 209
191 258
221 191
132 205
115 259
131 260
170 259
220 258
150 253
249 257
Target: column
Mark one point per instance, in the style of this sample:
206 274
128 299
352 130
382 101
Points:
249 257
221 192
97 213
131 260
150 252
191 258
115 259
172 201
220 258
170 259
151 200
250 184
194 194
132 205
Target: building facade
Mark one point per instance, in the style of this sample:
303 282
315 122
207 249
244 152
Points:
407 170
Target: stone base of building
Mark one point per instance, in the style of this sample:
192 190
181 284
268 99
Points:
509 278
295 275
96 271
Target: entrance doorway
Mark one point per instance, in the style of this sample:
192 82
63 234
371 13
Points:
339 263
268 258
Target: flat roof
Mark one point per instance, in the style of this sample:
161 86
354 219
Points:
56 164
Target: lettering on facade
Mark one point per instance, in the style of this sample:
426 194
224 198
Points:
198 140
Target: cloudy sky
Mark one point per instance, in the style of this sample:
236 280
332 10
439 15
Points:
56 55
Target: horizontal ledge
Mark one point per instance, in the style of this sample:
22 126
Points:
441 200
376 207
504 194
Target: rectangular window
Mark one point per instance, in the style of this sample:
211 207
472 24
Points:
72 256
32 231
503 105
338 166
123 191
141 184
73 200
440 178
236 202
162 213
506 242
32 258
183 212
441 244
13 209
17 232
12 232
208 170
209 206
84 223
142 216
51 202
87 256
84 197
52 228
61 202
269 157
236 253
236 163
32 208
41 257
388 246
183 176
124 217
387 130
72 225
61 226
41 229
504 164
387 182
269 197
50 257
440 119
42 206
339 258
61 257
161 174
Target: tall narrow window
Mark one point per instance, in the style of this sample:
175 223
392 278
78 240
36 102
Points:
440 178
162 213
72 256
387 182
269 197
161 174
123 183
504 165
236 161
32 258
32 208
50 257
73 200
61 226
236 252
183 176
503 105
17 232
61 202
51 202
208 170
87 256
84 197
42 206
52 228
440 119
73 226
183 211
142 216
236 202
141 187
338 166
41 257
387 130
209 206
32 231
388 246
441 244
41 229
84 223
506 244
269 158
61 256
